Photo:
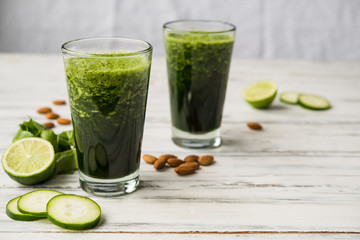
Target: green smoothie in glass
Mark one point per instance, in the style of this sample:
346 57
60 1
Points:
198 62
108 96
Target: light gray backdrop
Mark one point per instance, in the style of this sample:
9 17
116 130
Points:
300 29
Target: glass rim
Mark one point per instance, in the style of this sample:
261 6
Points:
66 50
231 26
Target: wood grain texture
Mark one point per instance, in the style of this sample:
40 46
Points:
166 236
300 174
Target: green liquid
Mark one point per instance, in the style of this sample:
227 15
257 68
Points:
108 103
198 68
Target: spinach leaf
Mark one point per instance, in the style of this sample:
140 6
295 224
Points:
50 136
34 127
22 134
68 136
66 161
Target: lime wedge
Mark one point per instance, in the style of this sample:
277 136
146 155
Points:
314 102
29 161
260 94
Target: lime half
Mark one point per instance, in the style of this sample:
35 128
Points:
29 161
260 94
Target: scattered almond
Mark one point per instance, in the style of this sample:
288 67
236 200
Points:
206 160
48 125
63 121
174 162
191 158
149 158
59 102
51 115
194 165
166 157
254 126
184 169
44 110
160 163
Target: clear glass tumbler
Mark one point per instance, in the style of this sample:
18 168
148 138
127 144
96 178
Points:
107 81
198 55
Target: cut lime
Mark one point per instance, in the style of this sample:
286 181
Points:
35 202
13 212
260 94
313 102
73 212
29 161
290 97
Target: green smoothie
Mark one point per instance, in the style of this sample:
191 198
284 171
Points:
198 67
108 101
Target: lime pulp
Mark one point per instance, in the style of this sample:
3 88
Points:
260 94
29 161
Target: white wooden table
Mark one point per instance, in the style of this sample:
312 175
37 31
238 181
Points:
299 178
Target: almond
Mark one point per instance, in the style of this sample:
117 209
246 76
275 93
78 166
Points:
149 158
51 115
191 158
194 165
59 102
206 160
160 163
44 110
48 125
254 125
63 121
166 157
184 169
174 162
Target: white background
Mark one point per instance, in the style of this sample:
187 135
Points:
280 29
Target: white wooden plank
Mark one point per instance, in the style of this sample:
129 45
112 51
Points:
235 194
302 173
152 236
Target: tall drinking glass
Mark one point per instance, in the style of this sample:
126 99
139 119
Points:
107 81
198 54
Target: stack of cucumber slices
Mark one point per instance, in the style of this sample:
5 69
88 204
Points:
64 210
308 101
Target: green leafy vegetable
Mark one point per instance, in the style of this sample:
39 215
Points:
66 161
33 127
22 134
66 140
63 143
50 136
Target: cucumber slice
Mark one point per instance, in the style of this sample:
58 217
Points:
290 97
313 102
13 212
92 159
34 203
73 212
101 155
